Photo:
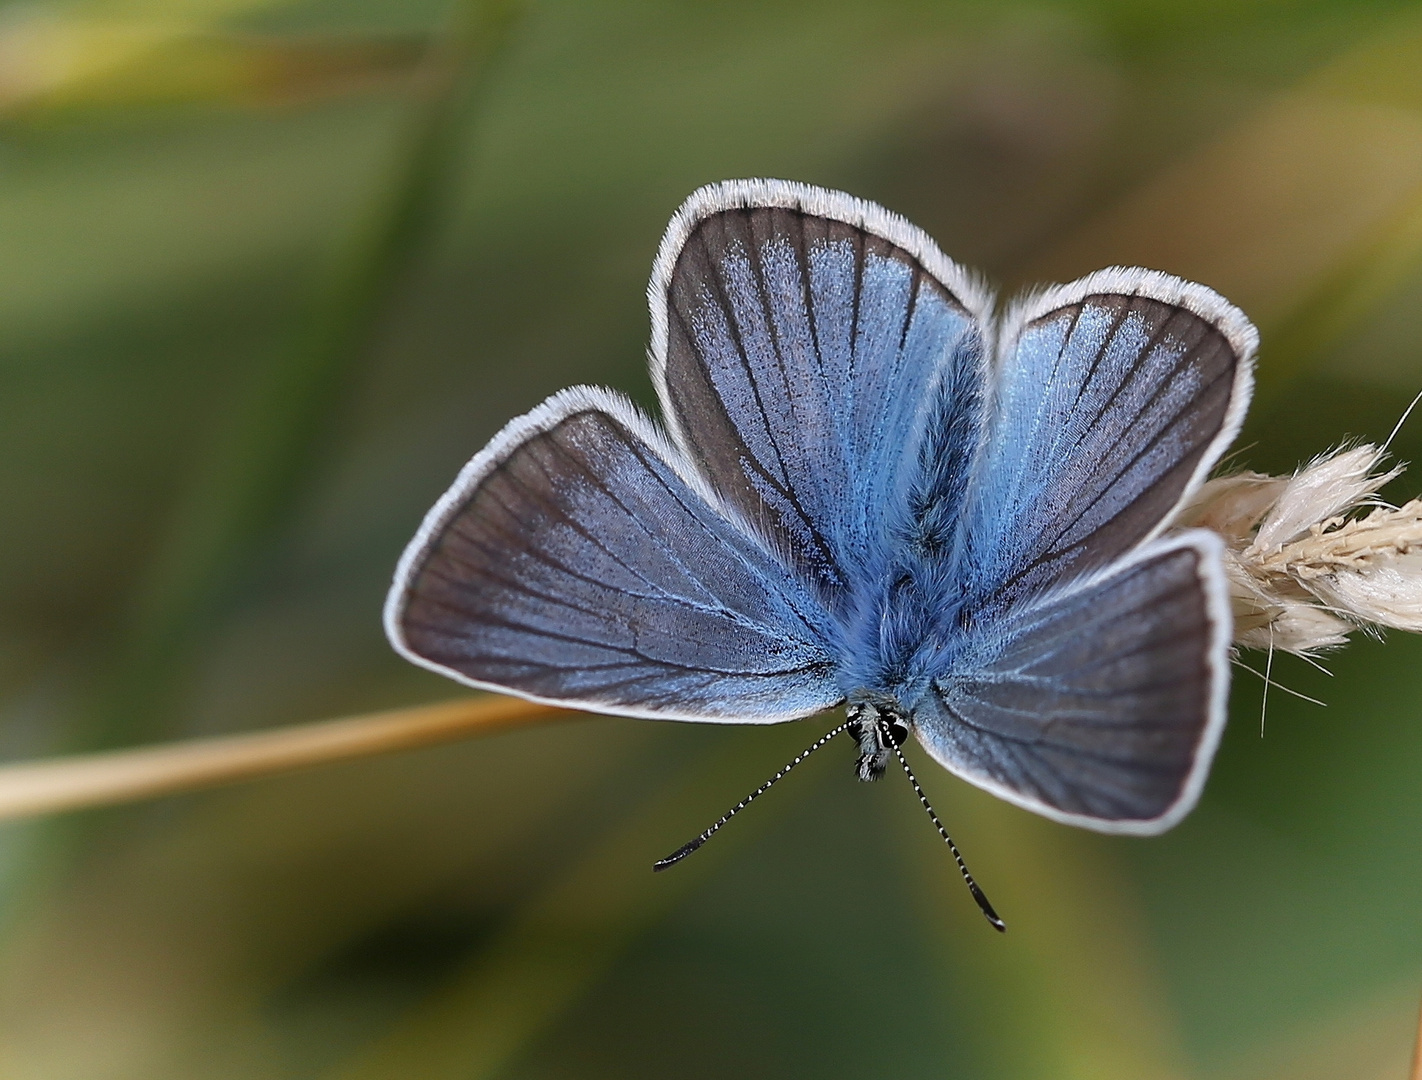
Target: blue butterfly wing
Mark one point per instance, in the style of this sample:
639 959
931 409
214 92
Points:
801 341
1099 705
1092 670
1113 398
576 561
820 365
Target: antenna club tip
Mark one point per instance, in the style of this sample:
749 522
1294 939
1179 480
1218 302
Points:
989 912
677 855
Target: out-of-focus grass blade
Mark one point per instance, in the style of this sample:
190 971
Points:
1416 1073
1369 1040
50 65
44 56
561 941
1391 255
1417 1053
50 53
262 460
1307 215
1071 991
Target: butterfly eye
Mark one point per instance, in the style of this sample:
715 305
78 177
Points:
898 730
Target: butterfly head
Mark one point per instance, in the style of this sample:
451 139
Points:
879 724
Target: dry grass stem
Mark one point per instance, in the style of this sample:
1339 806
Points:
1314 556
85 780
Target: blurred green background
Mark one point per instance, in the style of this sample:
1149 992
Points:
271 271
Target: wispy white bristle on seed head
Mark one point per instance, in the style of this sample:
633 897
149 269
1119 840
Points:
1312 557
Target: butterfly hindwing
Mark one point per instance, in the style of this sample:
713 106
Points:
800 337
573 564
1100 704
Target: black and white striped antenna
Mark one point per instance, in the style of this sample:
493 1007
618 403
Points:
983 904
886 730
686 849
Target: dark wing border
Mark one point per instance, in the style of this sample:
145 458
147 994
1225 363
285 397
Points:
1210 568
1199 300
968 287
514 434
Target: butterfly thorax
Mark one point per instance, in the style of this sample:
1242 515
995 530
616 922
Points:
903 634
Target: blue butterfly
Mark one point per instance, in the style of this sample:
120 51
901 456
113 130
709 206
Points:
870 490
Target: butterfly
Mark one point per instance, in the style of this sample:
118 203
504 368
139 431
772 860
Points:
869 489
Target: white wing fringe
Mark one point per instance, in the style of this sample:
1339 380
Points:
1314 556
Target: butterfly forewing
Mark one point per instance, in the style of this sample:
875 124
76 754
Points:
803 346
1112 401
577 566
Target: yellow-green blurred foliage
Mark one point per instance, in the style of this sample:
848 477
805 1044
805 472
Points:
270 271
